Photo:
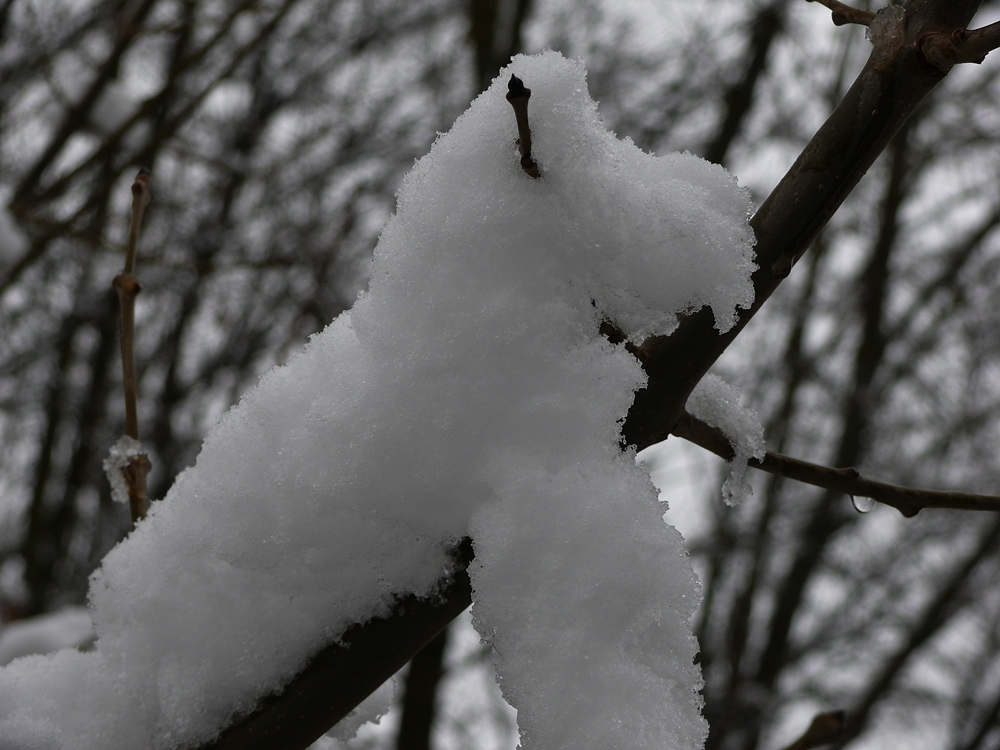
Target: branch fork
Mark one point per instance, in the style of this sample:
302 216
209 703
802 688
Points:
943 51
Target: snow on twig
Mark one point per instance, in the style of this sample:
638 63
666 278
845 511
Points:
907 500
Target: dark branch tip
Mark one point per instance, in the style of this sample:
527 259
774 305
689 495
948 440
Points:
516 88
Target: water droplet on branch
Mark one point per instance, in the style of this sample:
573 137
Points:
863 504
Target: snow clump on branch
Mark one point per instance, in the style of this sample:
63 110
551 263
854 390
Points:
717 403
468 390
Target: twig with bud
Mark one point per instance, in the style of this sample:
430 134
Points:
128 287
518 97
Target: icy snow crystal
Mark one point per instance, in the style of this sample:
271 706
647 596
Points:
717 403
119 457
467 390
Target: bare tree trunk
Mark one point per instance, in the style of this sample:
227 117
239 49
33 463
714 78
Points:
419 698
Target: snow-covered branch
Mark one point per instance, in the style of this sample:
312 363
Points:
887 91
467 393
785 225
319 696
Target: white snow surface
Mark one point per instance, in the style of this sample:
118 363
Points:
467 390
717 403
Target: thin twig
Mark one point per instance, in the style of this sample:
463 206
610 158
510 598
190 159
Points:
518 97
907 500
825 729
944 51
128 287
845 14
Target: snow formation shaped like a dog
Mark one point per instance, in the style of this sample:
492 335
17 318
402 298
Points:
468 390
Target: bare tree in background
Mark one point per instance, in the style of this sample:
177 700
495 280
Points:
278 131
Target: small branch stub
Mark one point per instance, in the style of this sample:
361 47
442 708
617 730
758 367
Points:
128 287
845 14
518 97
943 51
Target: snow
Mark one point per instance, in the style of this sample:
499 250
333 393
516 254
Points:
69 627
887 28
119 457
467 391
717 403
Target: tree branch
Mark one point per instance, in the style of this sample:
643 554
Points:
342 674
844 14
907 500
890 87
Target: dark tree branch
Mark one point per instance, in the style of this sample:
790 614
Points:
890 87
739 97
827 516
343 674
419 695
907 500
77 115
988 721
482 31
493 41
41 540
932 619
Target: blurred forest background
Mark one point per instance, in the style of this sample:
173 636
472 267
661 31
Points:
277 132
